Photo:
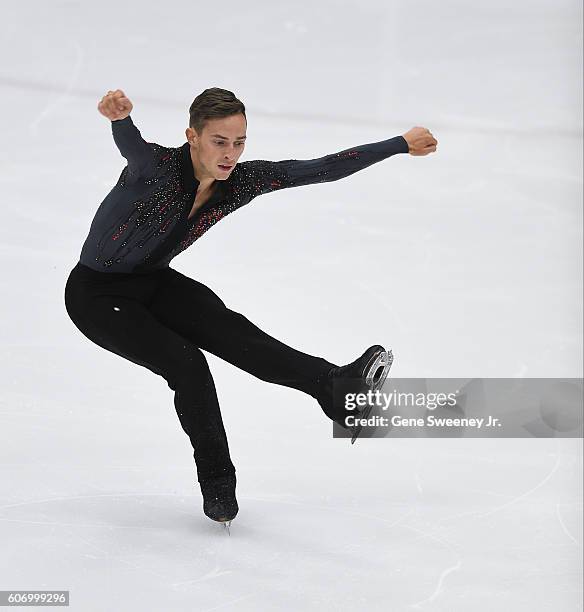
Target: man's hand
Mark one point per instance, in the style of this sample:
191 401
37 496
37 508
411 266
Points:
114 105
420 141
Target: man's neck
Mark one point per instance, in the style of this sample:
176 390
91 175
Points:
205 183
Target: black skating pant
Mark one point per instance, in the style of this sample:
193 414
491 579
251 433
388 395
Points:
162 320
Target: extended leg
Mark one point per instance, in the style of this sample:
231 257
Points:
197 313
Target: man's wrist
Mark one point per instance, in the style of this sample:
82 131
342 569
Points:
406 146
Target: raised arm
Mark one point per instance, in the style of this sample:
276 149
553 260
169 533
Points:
117 108
270 176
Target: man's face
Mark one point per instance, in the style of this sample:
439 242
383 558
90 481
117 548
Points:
220 145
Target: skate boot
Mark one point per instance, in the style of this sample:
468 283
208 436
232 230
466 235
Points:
366 373
219 502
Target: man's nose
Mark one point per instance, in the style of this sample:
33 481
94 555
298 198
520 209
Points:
230 152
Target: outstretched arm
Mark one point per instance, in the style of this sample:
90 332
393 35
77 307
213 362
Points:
270 176
117 108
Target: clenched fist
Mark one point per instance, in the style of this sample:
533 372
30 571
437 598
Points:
420 141
114 105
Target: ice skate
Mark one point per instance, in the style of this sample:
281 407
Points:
219 501
367 373
376 377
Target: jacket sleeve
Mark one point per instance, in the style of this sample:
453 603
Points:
133 147
266 176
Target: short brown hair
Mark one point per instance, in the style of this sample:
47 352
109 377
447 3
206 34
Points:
213 103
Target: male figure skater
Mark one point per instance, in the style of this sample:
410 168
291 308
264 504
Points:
124 297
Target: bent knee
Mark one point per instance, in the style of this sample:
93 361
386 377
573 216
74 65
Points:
188 368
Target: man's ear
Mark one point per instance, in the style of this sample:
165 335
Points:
191 135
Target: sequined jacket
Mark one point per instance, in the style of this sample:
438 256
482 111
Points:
142 224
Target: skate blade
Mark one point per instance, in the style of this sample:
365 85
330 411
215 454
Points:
226 526
377 371
375 378
358 428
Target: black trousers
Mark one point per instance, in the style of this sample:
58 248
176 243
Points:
162 320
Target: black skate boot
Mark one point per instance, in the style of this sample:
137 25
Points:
219 502
366 373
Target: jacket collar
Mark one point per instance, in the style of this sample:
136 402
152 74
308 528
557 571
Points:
189 181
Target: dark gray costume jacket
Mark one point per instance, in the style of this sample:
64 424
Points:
142 224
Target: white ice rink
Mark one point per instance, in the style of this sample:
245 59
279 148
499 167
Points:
473 268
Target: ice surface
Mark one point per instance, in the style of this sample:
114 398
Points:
478 272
